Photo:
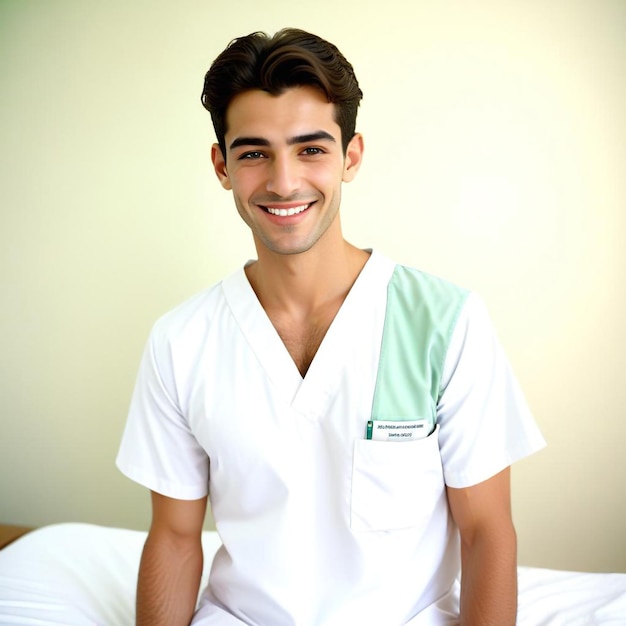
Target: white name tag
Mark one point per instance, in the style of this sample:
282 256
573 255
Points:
398 430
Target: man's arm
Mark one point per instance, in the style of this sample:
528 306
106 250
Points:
171 562
488 552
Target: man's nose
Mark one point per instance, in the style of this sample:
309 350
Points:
284 177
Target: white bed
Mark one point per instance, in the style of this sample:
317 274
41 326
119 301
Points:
81 574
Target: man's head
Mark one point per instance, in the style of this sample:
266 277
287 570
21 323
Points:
290 58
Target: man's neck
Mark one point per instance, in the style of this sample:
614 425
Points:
302 293
300 284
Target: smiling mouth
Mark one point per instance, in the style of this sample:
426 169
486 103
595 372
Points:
285 212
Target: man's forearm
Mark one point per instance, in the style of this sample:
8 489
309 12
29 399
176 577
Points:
489 581
169 579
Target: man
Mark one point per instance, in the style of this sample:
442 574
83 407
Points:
352 420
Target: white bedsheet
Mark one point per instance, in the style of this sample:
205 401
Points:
85 575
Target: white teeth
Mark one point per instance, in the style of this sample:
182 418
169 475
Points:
285 212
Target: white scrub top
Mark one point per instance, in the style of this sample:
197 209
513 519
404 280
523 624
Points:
319 525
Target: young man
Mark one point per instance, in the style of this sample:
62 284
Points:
352 420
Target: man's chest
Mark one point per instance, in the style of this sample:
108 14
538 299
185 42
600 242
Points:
302 343
302 336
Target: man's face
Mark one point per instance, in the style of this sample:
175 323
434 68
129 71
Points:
285 166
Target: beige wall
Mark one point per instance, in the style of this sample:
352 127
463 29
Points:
495 157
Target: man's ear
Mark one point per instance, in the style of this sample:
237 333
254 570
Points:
353 159
219 164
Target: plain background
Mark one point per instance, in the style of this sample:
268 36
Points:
495 157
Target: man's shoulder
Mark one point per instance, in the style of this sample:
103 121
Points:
191 315
419 283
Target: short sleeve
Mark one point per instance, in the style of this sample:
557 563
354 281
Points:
485 422
158 449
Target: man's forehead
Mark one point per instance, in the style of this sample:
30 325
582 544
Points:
295 112
300 92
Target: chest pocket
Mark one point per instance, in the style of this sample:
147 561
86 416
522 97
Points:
397 485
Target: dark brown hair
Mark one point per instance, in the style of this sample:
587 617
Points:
290 58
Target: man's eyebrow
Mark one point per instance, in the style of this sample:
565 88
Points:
319 135
248 141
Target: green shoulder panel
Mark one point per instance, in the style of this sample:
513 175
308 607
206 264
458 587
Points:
421 314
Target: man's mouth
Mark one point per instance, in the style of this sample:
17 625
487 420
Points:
286 211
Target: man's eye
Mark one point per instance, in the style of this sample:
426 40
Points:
251 155
311 150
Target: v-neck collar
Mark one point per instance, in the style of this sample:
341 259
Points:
308 395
